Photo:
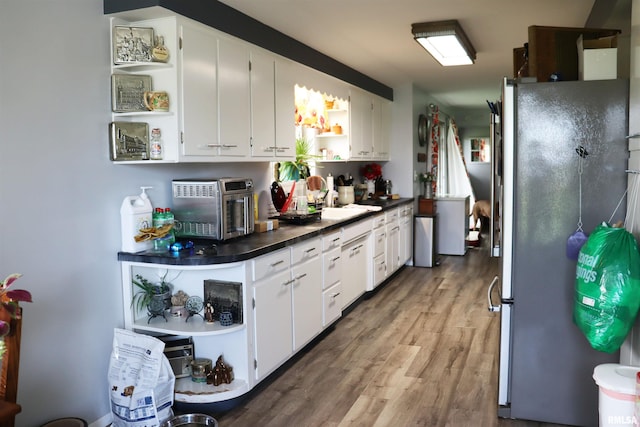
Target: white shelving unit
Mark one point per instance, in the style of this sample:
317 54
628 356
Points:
210 340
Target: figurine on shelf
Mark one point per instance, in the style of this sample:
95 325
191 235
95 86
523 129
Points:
208 313
221 373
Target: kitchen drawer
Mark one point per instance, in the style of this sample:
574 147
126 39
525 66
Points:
391 216
379 221
272 263
332 304
379 269
379 241
331 267
331 241
305 251
356 230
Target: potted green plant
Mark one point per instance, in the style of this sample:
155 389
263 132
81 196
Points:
298 169
148 291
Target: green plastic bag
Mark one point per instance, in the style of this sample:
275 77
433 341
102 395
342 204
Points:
607 294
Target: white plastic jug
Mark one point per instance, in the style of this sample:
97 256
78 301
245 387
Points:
135 213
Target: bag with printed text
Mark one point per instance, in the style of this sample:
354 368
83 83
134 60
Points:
607 287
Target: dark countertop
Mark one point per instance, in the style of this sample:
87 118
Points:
208 252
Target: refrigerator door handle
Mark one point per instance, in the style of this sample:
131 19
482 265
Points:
491 306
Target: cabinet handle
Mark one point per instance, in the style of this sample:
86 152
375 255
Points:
337 239
335 295
308 251
359 246
301 276
228 146
283 148
335 259
213 145
277 262
288 282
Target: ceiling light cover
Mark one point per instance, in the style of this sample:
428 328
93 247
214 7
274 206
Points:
445 41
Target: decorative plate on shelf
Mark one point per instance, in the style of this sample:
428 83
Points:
194 305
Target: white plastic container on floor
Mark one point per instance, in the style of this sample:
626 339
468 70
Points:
617 393
136 212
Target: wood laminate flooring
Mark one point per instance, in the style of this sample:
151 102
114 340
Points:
421 351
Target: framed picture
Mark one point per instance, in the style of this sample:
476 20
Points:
129 141
224 296
127 92
480 150
132 44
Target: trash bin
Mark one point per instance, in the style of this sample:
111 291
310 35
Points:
616 393
424 244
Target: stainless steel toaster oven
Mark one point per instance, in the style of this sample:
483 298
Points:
219 209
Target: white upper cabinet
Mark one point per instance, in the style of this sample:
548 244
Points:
199 108
272 107
231 101
361 125
234 97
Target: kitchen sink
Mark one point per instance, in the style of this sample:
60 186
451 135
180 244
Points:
341 213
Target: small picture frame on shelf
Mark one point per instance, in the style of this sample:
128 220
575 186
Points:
132 44
127 92
224 297
129 141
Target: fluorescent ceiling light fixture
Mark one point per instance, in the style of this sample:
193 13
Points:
445 41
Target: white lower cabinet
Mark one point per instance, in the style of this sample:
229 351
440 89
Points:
307 301
331 278
332 304
287 306
354 270
379 250
406 235
273 327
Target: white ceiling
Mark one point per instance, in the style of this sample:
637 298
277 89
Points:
374 37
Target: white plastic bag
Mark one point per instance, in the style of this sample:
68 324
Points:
141 381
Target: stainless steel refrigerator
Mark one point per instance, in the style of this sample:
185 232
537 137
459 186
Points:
546 364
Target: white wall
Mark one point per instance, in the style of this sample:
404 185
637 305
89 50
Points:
60 198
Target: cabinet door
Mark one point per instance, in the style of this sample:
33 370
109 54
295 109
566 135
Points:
307 302
199 115
332 304
285 109
234 98
361 126
263 105
272 322
393 247
379 269
332 267
381 128
354 271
